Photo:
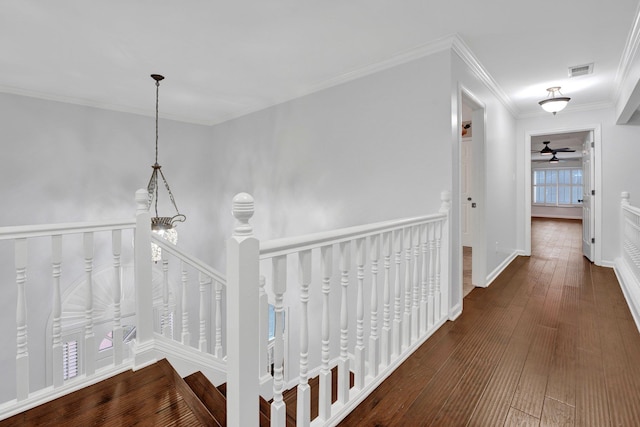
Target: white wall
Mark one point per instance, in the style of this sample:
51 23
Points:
66 163
372 149
620 151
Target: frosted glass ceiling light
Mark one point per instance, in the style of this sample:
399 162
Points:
163 226
554 103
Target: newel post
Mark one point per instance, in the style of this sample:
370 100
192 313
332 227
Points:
243 250
625 198
448 303
144 294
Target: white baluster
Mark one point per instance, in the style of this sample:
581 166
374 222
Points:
386 314
374 340
263 305
278 407
89 337
303 409
343 361
415 309
185 335
217 350
406 320
397 292
22 343
324 400
202 342
432 274
359 368
424 322
116 335
57 358
166 326
243 251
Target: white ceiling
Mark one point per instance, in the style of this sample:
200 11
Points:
223 59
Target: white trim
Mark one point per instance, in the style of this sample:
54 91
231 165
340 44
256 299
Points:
465 53
597 139
556 216
454 42
13 407
630 288
500 268
629 52
339 411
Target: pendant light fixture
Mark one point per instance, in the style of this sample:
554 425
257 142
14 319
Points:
554 103
163 226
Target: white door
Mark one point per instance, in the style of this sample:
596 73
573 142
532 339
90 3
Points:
467 188
588 193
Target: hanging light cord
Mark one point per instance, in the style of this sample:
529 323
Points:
157 95
152 188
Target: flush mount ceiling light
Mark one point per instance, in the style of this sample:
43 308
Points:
164 226
554 103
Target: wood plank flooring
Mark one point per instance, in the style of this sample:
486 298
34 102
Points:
152 396
550 343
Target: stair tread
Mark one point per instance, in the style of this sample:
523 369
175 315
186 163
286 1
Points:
209 395
148 394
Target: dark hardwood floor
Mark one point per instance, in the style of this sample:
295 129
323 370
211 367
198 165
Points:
551 343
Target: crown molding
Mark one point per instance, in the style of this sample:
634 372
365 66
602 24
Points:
465 53
453 42
576 108
629 52
100 105
409 55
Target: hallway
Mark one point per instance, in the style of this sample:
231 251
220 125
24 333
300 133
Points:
551 342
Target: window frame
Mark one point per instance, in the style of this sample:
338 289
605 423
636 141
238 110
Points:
557 185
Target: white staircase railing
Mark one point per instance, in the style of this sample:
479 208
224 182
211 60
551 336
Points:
627 266
49 241
364 299
47 258
335 320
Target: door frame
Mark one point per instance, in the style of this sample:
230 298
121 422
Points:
597 184
479 238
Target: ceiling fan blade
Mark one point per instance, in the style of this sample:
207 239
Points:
564 150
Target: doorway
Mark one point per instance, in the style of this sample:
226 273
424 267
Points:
576 169
472 191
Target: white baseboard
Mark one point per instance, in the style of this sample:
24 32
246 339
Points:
630 288
500 268
556 216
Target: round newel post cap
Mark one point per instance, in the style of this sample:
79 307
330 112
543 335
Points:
625 197
142 200
445 199
243 209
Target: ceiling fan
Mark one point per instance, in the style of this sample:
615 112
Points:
553 158
548 151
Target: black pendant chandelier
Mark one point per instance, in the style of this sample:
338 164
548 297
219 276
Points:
161 225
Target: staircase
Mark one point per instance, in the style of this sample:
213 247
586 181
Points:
155 395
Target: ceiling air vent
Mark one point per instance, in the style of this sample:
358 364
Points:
580 70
